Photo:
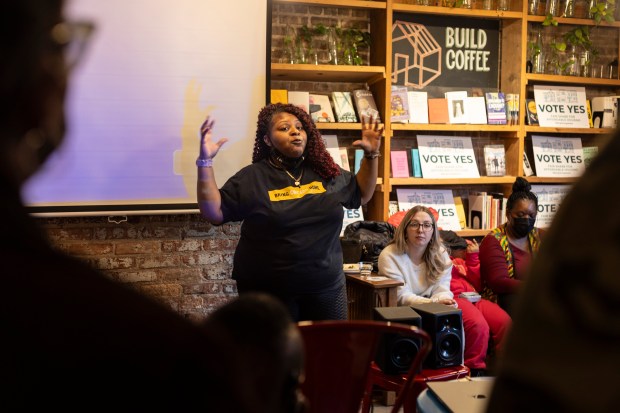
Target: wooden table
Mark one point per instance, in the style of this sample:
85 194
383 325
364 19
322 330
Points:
366 294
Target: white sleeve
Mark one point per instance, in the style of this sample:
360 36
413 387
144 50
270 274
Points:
441 289
399 267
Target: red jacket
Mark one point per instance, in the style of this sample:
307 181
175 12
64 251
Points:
465 274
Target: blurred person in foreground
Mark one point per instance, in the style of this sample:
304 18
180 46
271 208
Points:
562 352
73 339
291 201
505 253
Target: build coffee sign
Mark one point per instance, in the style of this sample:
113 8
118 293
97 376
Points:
442 51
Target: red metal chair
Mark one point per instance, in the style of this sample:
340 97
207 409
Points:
338 360
415 385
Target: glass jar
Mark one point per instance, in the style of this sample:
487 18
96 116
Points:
552 8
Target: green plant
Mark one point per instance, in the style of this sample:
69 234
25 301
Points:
549 20
603 11
353 39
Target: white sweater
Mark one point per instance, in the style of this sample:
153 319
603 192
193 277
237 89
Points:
416 288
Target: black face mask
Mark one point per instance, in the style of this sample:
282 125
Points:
522 226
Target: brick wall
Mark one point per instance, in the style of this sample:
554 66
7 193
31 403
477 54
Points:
181 260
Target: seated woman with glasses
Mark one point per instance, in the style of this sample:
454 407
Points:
506 252
417 257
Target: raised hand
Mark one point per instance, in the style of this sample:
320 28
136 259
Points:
208 148
371 135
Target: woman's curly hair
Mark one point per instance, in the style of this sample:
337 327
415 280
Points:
317 156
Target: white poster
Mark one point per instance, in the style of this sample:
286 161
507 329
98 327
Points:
557 157
549 199
447 157
439 199
561 106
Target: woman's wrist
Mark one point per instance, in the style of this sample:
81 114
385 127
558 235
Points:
204 162
372 155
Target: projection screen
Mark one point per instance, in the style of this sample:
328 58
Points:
153 71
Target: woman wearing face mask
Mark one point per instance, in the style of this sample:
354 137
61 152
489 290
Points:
506 252
291 201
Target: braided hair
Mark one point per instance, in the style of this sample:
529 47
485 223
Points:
317 157
521 189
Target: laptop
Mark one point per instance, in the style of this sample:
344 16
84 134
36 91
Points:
462 396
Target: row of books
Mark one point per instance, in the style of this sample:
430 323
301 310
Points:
602 112
406 163
449 157
348 107
456 107
476 209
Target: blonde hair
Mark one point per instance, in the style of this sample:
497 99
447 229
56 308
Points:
435 253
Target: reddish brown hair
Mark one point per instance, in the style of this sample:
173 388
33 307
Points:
317 156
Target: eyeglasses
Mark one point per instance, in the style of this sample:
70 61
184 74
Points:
426 226
73 37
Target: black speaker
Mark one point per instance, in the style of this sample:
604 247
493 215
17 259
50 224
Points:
445 326
396 352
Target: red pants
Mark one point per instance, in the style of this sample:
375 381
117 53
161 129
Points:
482 320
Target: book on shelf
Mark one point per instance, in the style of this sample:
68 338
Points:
549 200
321 108
393 207
460 211
441 200
400 164
589 152
416 167
496 209
532 113
343 106
477 209
512 108
604 111
561 106
557 156
279 96
495 159
418 106
300 98
359 155
438 110
330 141
456 106
589 110
399 104
444 156
342 160
476 110
365 105
527 166
496 108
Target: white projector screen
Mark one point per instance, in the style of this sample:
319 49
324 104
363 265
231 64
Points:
153 71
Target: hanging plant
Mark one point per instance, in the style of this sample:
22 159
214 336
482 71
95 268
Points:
603 11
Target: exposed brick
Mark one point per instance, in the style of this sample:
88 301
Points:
134 276
137 247
86 248
181 246
158 261
113 263
70 234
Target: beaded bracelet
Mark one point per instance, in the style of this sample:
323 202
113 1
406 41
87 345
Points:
372 155
204 163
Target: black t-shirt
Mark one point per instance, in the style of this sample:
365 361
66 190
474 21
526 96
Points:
290 237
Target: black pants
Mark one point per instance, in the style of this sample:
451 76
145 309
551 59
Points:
327 305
